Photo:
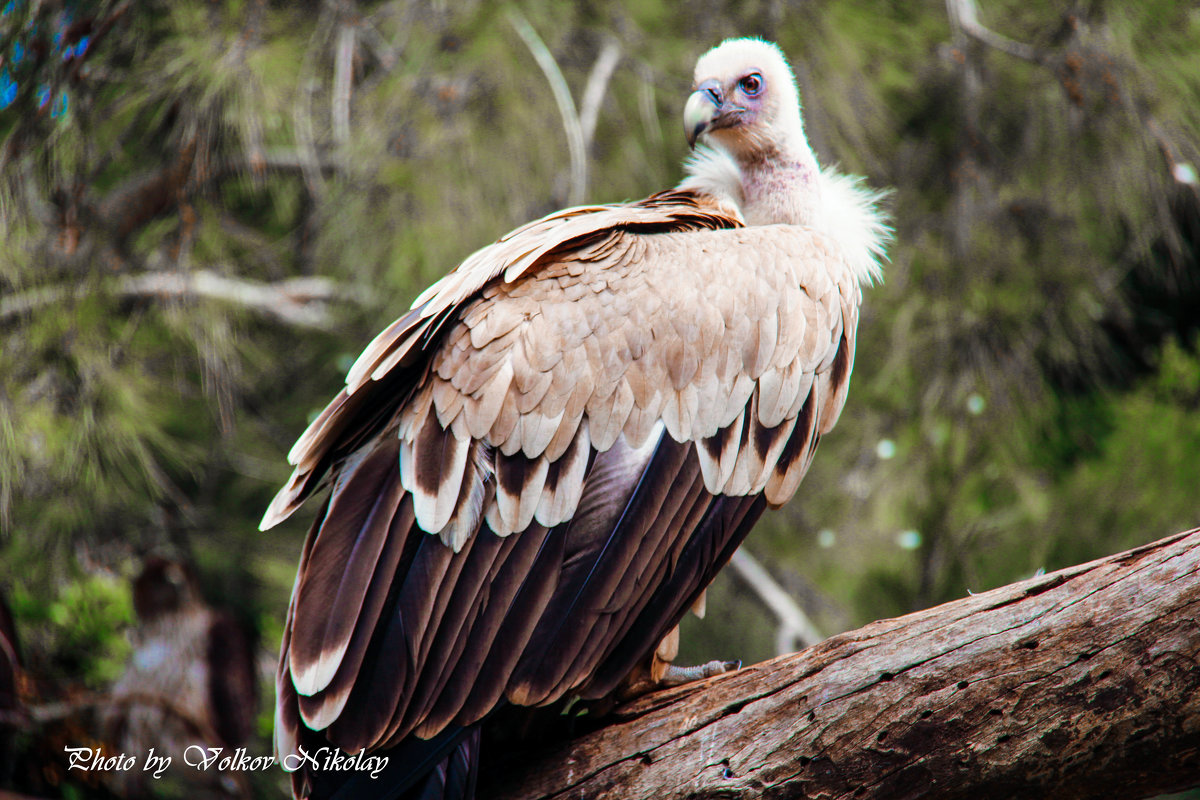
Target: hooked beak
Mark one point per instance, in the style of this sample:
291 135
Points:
703 109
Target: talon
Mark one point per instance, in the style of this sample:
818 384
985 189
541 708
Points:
677 676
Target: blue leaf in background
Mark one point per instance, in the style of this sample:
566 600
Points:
60 107
18 52
64 22
43 96
77 50
8 89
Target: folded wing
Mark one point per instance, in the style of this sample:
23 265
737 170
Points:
589 416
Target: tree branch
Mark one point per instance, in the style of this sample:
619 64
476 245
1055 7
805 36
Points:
297 301
965 16
597 86
302 118
646 105
343 83
795 628
576 143
1080 683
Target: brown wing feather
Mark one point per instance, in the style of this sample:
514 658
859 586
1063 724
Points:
587 412
330 594
670 529
337 694
564 631
706 551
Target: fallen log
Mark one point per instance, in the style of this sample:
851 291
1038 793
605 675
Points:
1081 683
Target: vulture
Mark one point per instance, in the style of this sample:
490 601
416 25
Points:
191 681
538 470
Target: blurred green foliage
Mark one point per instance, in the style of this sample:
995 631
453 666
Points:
1027 381
77 626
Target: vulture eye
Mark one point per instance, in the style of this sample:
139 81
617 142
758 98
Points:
751 84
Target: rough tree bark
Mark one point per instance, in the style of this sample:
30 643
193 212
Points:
1078 684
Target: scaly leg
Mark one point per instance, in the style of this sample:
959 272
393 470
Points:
676 676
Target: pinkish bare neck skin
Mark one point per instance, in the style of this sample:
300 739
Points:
780 192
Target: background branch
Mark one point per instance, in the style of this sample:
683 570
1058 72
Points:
796 630
297 301
597 86
566 105
964 15
343 80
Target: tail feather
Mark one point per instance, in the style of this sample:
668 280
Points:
445 767
454 778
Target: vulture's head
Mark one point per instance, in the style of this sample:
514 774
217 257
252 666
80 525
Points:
744 100
164 587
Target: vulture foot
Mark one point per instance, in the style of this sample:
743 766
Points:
664 675
676 676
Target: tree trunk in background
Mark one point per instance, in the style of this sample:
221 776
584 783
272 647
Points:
1081 683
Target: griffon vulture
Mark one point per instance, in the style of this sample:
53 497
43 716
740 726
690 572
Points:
191 682
539 469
